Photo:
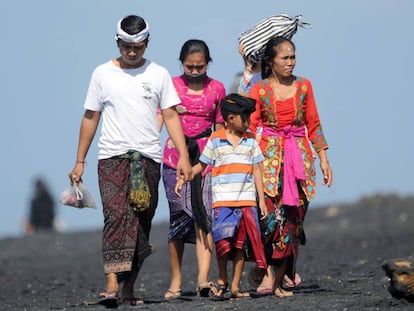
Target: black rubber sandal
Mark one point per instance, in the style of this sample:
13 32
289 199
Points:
221 289
203 289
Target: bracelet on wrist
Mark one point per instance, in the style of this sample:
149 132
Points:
83 162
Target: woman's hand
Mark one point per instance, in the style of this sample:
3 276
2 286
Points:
249 68
325 168
326 172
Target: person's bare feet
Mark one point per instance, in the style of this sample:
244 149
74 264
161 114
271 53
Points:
280 292
174 291
288 283
109 293
111 286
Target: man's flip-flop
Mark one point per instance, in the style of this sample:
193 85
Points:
109 302
109 299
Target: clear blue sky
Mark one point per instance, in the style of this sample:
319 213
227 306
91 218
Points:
358 56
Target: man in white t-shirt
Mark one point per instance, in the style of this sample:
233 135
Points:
126 93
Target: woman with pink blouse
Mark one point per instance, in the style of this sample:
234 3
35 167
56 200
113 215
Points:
190 214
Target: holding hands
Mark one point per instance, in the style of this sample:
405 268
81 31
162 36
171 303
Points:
184 169
179 185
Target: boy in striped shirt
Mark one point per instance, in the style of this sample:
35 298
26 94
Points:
236 184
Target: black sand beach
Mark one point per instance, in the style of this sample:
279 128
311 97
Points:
340 265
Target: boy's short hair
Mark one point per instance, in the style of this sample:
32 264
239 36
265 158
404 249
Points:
237 104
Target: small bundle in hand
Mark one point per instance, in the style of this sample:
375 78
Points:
77 196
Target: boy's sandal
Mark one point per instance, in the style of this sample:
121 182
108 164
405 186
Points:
172 294
220 290
239 294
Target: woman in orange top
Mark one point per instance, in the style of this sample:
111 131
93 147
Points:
285 121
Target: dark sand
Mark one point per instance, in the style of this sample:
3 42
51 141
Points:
340 265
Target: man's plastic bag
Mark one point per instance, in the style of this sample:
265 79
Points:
77 196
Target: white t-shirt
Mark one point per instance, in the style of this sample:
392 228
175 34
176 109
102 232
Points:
128 100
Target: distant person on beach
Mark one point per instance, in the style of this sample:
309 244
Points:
287 116
190 214
236 177
127 92
42 209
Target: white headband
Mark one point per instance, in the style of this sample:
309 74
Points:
139 37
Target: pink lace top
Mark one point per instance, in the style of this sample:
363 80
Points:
197 114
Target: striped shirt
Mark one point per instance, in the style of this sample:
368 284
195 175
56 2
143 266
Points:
232 177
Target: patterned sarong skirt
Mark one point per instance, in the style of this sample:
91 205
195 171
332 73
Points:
125 241
181 215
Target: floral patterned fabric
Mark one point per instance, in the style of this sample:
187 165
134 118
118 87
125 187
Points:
297 111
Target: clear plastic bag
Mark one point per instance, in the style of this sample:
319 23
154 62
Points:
77 196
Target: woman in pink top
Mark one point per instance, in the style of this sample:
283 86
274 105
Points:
190 215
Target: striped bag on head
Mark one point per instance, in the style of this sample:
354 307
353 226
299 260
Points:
254 40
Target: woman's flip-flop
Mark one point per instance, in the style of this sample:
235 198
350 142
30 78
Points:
237 294
203 289
132 301
265 290
288 283
172 294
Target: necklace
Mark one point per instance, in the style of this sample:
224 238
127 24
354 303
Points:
285 94
277 97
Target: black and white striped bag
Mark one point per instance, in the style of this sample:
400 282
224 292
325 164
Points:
254 40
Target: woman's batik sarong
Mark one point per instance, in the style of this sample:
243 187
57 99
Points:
181 215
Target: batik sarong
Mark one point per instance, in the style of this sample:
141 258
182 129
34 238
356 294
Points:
181 214
126 232
283 230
